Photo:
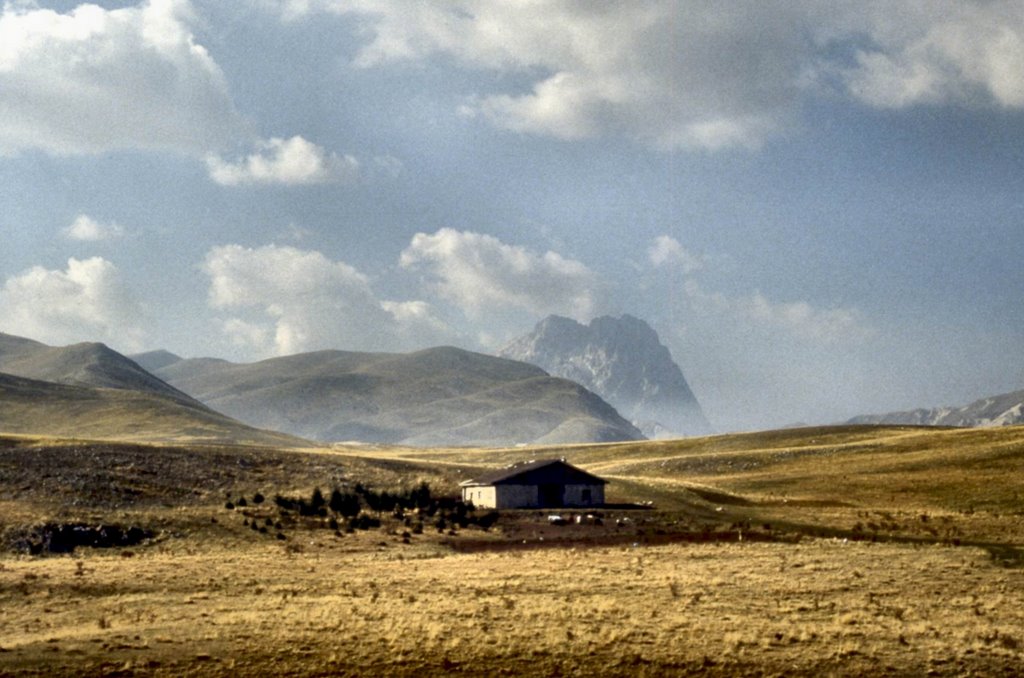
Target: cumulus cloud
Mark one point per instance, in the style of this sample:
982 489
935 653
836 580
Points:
798 318
85 228
668 74
303 301
478 272
666 251
940 52
86 302
696 75
291 162
93 80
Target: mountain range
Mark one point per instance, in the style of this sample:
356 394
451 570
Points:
623 361
91 391
85 364
437 396
1006 409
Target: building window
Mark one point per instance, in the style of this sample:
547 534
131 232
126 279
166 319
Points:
586 496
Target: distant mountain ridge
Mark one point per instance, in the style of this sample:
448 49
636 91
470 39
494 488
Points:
84 364
1006 409
622 360
151 411
438 396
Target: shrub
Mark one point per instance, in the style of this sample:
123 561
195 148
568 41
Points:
487 520
345 504
419 497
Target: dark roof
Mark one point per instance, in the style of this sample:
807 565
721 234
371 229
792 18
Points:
537 472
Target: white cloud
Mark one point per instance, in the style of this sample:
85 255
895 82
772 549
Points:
245 334
667 74
86 302
666 251
798 318
291 162
93 80
85 228
301 301
698 74
479 272
940 52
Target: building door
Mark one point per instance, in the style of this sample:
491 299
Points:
551 494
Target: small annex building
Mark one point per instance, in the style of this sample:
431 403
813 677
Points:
545 483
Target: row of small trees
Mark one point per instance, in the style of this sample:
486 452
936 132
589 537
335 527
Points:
349 503
354 506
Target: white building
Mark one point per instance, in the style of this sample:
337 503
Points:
547 483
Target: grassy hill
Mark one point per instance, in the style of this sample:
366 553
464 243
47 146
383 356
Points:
844 551
29 406
947 469
85 364
437 396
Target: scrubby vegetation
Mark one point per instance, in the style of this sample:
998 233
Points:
850 551
360 507
66 537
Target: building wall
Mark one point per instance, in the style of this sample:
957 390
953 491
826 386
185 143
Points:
527 496
517 496
584 495
482 497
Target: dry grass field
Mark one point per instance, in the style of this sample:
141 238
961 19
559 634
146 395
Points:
848 551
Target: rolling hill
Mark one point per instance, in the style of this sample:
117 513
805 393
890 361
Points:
438 396
30 406
85 364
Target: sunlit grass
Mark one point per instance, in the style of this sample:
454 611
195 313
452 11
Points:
849 551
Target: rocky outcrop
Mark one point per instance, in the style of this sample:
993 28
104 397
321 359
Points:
1006 409
623 361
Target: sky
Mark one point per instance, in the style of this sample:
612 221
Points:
817 204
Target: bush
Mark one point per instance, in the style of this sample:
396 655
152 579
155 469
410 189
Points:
345 504
487 520
419 497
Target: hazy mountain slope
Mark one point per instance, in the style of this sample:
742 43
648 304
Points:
1002 410
86 364
438 396
154 360
30 406
623 361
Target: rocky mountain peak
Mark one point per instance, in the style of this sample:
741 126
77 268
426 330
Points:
621 359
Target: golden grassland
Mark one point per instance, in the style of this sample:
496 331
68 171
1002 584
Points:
842 551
